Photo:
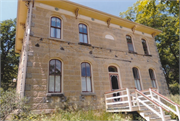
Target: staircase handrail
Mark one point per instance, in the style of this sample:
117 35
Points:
165 98
151 100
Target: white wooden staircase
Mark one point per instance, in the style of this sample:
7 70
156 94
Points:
148 103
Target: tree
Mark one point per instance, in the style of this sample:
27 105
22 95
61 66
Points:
9 59
163 16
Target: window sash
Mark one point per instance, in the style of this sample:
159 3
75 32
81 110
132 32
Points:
130 47
153 83
145 47
86 84
55 28
138 84
83 33
55 76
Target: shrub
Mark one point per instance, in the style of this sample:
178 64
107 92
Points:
10 101
176 99
174 88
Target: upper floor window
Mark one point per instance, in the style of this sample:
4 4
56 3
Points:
145 47
56 27
136 78
130 44
55 73
83 33
112 69
153 80
86 77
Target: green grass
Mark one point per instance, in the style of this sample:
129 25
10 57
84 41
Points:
80 115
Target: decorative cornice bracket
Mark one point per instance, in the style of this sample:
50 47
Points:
133 28
108 22
153 34
76 12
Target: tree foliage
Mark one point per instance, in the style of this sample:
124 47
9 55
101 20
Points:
164 16
9 59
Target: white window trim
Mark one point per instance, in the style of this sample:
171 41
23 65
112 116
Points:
92 82
50 28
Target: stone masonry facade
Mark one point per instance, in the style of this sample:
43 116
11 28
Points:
100 54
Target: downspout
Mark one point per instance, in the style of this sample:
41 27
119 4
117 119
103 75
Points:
25 49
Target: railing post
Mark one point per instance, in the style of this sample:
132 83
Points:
105 101
129 99
177 110
162 114
151 93
137 100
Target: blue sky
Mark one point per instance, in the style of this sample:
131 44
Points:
8 8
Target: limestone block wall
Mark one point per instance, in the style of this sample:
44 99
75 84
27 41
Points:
101 54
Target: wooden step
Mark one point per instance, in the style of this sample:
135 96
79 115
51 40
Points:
167 117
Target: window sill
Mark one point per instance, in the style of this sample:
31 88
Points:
88 93
86 44
148 55
55 39
54 94
132 52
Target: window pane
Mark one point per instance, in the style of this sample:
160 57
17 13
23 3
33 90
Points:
52 32
53 21
52 67
153 83
58 67
80 28
80 37
112 69
135 73
85 38
58 23
151 74
114 82
57 84
83 81
145 47
130 46
88 84
88 69
83 69
138 85
58 33
84 29
51 83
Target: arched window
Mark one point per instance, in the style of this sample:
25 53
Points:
130 44
136 78
145 47
56 27
55 72
153 80
86 77
83 33
112 69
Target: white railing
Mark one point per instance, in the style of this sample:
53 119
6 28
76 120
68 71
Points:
159 113
118 100
160 99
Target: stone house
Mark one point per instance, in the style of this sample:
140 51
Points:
71 51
